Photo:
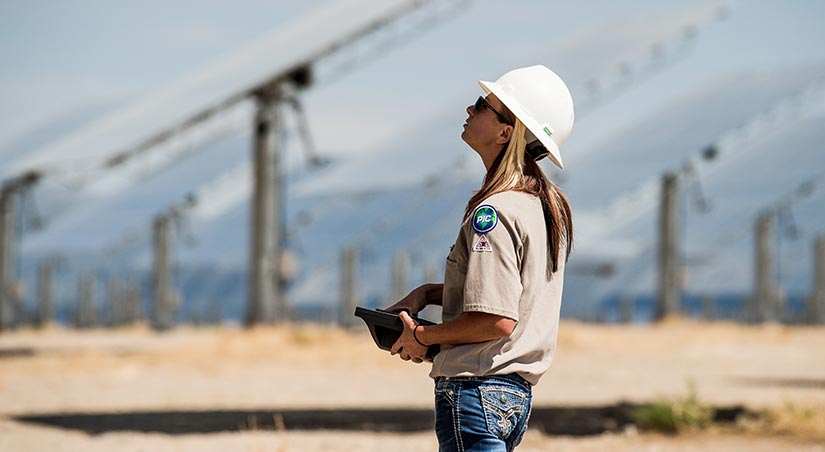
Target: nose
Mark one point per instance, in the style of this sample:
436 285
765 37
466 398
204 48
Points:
470 110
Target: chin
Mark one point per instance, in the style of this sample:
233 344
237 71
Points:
464 136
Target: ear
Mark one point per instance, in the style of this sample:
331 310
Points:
505 134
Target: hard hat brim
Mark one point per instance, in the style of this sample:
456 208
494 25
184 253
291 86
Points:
532 125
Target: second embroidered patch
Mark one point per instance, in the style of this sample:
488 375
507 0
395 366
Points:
482 244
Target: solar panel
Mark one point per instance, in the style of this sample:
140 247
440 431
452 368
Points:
218 84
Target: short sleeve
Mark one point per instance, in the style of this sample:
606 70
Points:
493 279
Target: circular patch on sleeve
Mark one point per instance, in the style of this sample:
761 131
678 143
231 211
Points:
485 218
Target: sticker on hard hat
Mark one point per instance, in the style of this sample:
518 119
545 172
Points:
548 132
485 219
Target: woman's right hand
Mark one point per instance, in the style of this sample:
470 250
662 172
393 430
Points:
414 302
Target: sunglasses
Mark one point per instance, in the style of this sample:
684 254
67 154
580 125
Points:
481 102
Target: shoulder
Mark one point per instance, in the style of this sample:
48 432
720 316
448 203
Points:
512 204
508 208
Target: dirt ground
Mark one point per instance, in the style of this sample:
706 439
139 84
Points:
57 371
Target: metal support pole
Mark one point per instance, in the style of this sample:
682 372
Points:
45 297
764 286
399 277
626 308
816 302
86 315
432 273
265 295
349 297
669 285
8 278
163 312
134 311
116 300
285 268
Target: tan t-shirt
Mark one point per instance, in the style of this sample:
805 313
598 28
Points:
498 265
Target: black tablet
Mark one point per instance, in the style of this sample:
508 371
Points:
386 327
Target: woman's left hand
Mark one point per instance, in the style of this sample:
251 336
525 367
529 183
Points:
406 346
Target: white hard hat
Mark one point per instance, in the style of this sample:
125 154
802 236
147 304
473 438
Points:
541 101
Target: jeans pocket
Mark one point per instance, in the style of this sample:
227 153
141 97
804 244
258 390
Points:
444 391
503 408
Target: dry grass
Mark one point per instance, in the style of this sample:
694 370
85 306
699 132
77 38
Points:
800 421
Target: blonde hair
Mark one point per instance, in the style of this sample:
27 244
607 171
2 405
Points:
507 169
513 170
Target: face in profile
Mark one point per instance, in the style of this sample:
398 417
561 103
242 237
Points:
485 124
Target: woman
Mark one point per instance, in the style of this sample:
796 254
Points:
503 282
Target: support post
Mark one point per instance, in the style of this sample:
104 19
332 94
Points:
626 308
349 297
816 302
86 315
669 267
45 297
111 303
115 300
399 277
163 312
265 294
432 273
134 310
8 278
764 287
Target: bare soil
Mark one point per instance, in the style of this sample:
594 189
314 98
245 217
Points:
775 368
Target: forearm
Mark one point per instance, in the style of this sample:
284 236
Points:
433 294
419 298
468 328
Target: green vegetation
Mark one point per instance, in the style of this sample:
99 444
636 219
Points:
675 415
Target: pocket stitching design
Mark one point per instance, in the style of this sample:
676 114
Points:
489 403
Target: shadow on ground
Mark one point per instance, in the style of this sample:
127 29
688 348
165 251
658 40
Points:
812 383
19 352
557 420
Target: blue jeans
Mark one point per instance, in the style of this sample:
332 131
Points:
481 414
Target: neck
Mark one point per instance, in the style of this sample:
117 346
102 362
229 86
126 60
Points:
488 156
